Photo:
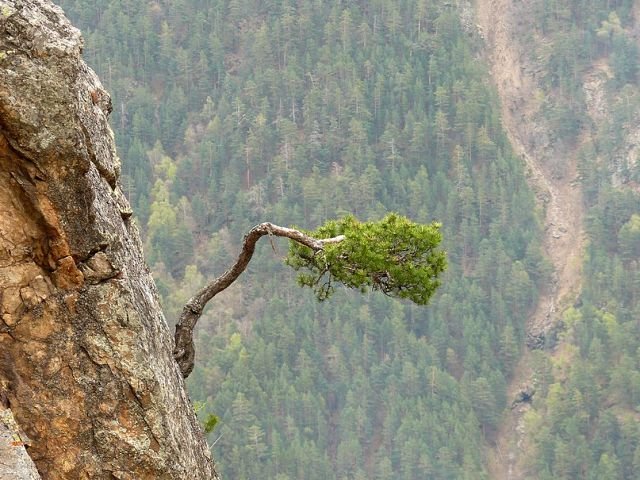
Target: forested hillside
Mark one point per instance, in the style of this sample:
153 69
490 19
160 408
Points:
585 422
229 113
564 72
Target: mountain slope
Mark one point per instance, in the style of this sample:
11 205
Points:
524 42
553 174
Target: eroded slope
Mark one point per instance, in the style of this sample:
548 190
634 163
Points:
552 167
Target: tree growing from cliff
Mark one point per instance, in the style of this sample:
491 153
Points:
396 256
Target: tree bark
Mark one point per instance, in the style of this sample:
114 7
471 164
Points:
184 351
86 364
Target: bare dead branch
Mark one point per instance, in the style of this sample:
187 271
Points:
184 350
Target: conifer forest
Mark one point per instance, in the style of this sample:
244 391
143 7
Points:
229 113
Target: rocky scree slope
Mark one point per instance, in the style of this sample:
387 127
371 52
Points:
552 167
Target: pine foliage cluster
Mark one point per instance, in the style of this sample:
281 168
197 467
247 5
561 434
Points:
394 255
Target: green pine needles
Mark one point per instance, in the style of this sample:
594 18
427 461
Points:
394 255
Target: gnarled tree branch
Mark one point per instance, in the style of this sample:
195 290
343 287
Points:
184 351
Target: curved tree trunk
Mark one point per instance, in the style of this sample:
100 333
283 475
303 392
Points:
86 363
185 352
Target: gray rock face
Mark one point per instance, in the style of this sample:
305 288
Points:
85 353
16 463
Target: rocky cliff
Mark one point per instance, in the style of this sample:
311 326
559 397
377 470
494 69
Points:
85 353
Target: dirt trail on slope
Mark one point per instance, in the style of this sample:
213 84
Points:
552 173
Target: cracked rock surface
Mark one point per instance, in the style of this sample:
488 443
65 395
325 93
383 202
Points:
85 353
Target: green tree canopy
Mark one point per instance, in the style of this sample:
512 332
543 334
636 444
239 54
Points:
393 255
